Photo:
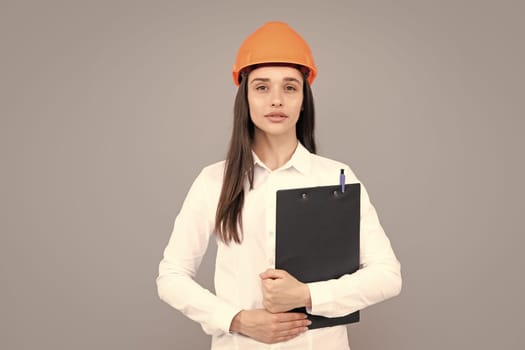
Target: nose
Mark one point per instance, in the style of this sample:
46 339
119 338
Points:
277 99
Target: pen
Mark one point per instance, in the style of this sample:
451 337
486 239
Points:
342 180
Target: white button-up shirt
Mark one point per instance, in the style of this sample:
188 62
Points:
237 282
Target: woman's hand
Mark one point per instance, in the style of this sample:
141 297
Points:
267 327
282 292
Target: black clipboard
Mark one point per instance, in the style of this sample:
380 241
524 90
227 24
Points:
317 237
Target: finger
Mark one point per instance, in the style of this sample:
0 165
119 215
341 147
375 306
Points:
294 324
270 286
289 316
271 273
267 282
266 271
292 332
285 331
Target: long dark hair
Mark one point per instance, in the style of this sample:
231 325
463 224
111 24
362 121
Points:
239 159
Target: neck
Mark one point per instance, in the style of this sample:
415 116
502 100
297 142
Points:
274 152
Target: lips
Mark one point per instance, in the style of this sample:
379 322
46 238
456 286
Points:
276 116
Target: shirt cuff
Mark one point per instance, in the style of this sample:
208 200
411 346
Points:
223 316
321 296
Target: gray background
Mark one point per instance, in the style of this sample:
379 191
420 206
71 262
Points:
109 110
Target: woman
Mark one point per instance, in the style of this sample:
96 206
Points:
272 148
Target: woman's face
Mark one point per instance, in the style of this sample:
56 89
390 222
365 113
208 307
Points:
275 97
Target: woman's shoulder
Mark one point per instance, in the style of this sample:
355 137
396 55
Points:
213 173
214 169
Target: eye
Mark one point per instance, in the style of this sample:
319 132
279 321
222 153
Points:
261 88
290 88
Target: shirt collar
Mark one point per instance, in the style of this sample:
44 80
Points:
300 160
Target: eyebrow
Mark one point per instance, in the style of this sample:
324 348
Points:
265 80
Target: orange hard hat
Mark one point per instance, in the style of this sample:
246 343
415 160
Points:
274 42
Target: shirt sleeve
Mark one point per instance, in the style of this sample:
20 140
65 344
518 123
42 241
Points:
182 257
378 279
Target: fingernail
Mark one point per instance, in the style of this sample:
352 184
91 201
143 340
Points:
309 322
